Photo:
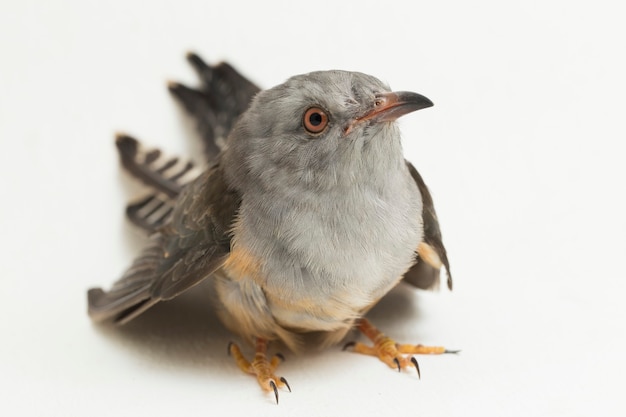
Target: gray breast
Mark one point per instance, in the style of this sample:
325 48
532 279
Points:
333 254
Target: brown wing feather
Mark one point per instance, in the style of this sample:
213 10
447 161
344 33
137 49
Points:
199 233
423 275
188 249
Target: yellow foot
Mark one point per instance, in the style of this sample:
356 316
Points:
261 367
393 354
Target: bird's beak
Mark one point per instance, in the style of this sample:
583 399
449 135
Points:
390 106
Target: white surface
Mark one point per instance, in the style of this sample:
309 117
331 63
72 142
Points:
523 152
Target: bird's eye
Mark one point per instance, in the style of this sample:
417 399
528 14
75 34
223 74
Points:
315 120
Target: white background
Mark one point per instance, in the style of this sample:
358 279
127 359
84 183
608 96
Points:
523 152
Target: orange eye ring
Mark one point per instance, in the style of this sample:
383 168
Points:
315 120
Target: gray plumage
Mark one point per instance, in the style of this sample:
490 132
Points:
297 231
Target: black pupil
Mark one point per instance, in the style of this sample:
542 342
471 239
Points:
315 119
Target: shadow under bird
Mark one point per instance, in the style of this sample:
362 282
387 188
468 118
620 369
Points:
306 216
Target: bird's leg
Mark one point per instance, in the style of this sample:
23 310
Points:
262 367
387 350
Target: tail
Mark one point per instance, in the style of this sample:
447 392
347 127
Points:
165 176
223 96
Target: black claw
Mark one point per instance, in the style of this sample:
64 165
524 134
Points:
414 362
284 381
280 356
451 351
228 348
348 345
397 362
273 385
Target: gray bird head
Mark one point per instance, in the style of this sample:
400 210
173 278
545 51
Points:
319 130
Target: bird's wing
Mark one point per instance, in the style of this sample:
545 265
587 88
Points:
189 248
431 253
223 96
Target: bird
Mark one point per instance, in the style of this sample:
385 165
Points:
306 214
